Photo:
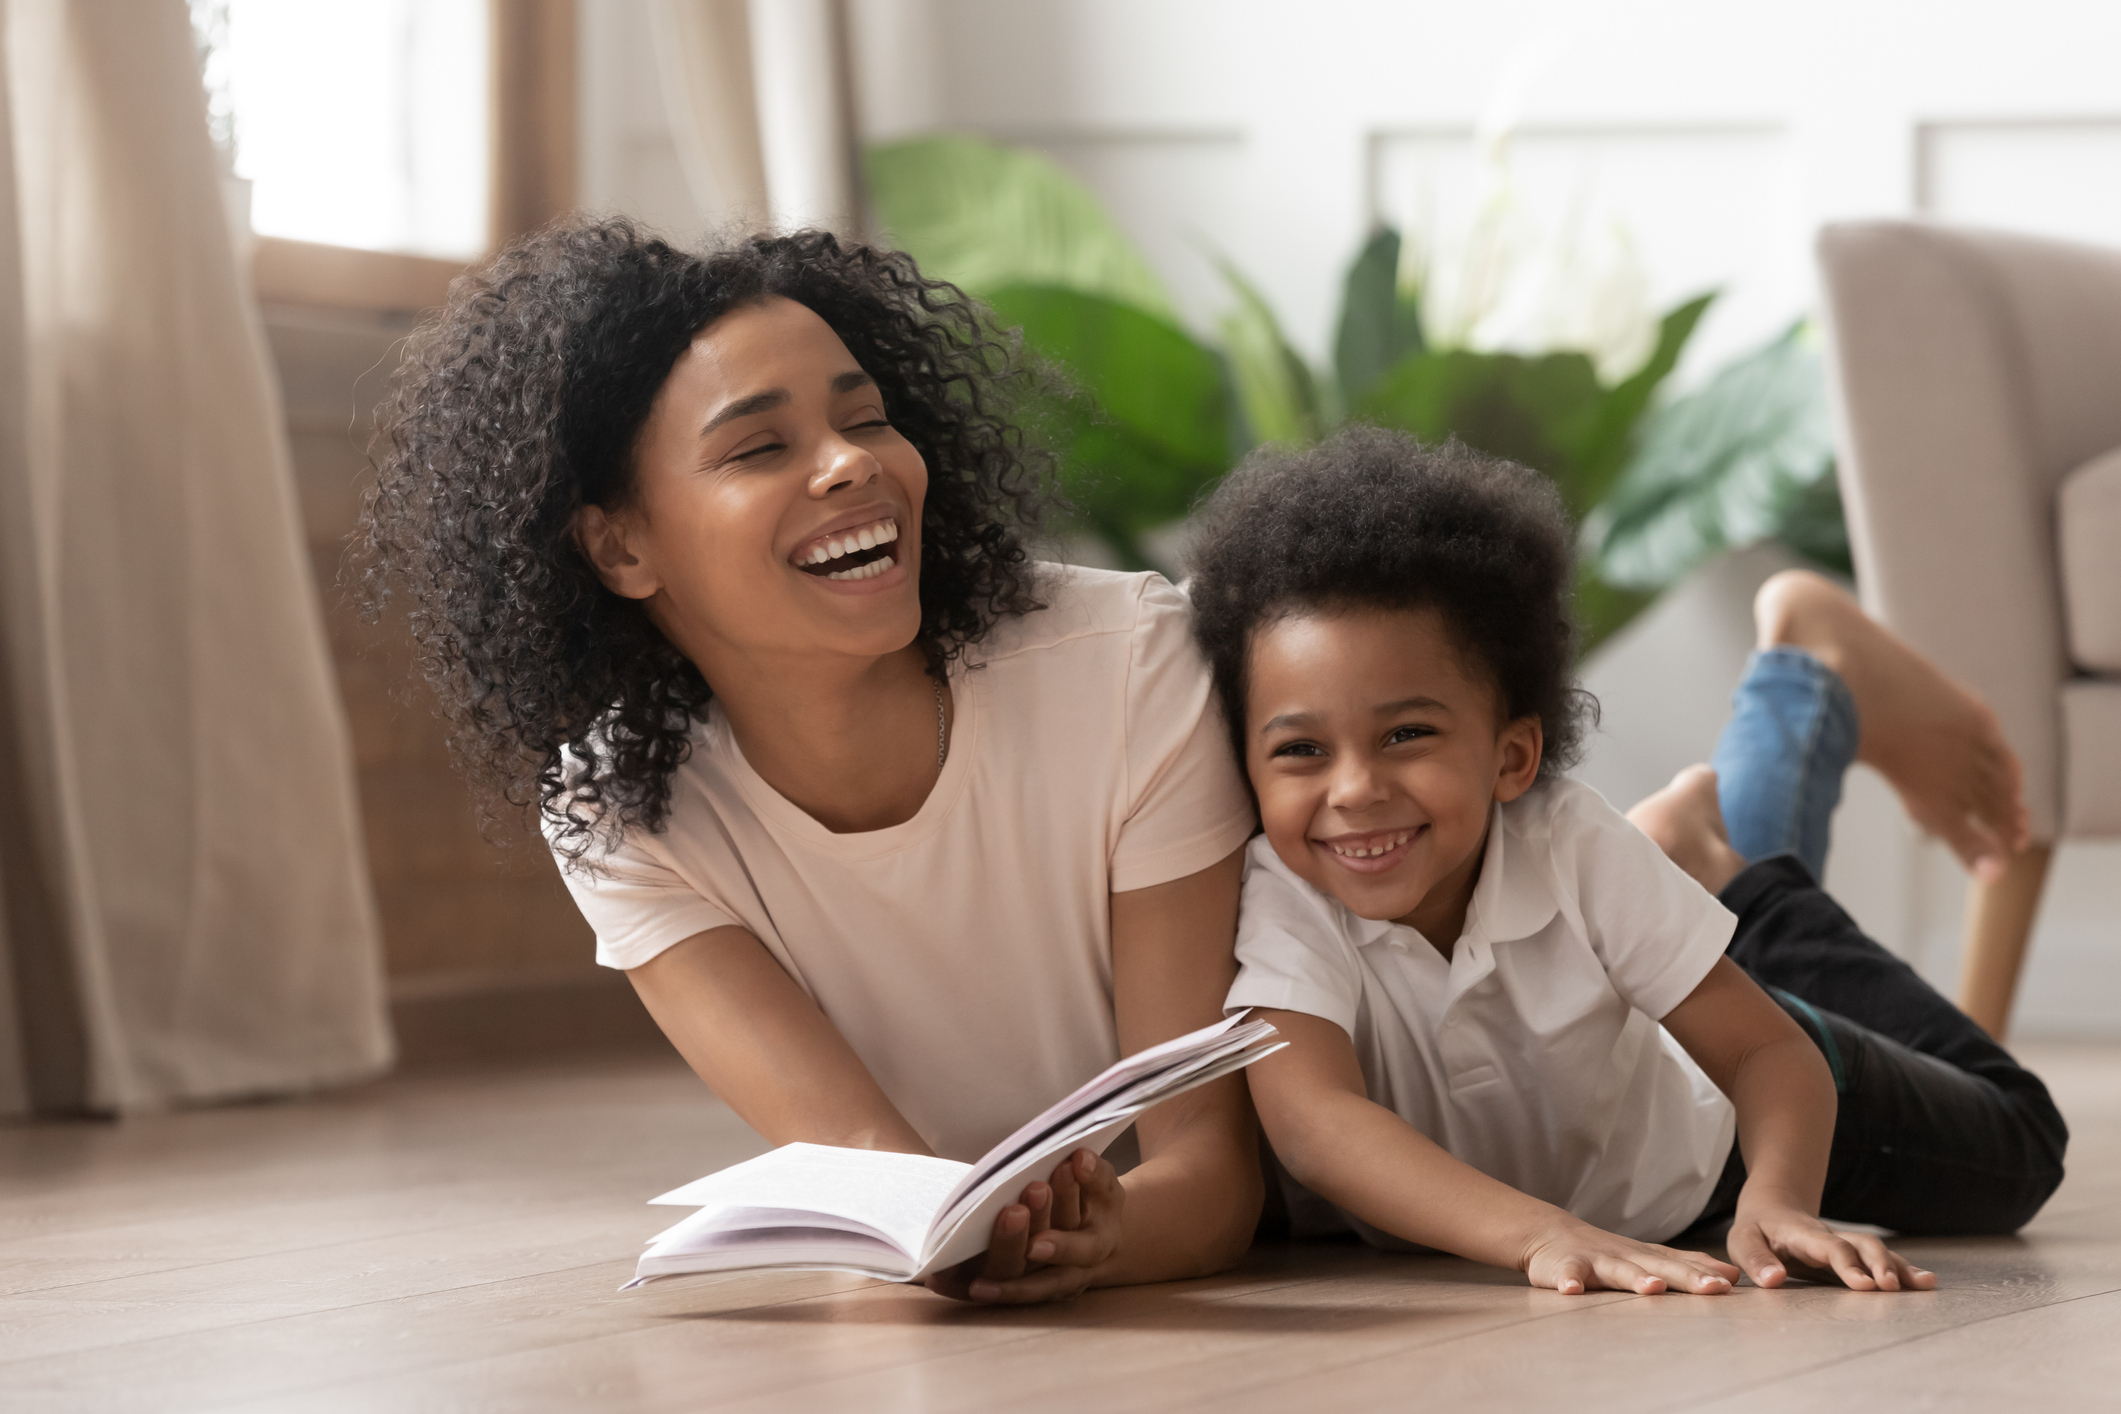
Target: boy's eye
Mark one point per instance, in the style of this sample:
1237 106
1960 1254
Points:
873 422
1298 748
1399 736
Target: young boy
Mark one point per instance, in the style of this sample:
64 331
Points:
1518 1031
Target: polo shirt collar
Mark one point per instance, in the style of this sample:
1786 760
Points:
1513 898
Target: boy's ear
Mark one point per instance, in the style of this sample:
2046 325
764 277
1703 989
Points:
606 542
1522 742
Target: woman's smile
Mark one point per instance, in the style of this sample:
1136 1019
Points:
839 552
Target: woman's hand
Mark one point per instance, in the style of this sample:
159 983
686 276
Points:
1049 1246
1767 1229
1573 1257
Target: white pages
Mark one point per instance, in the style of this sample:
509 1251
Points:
902 1216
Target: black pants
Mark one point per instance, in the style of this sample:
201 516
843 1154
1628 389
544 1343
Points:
1939 1131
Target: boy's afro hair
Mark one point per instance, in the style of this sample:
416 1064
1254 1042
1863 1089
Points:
1372 519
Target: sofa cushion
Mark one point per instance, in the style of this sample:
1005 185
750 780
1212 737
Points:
2091 747
2088 515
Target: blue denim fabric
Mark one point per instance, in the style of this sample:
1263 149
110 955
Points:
1779 763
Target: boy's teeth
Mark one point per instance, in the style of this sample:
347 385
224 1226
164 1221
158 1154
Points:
1372 851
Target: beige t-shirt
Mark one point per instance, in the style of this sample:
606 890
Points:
966 955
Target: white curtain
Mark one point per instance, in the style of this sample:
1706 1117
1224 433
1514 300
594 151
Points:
760 104
184 904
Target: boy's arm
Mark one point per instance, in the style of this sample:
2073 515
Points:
1369 1161
1784 1095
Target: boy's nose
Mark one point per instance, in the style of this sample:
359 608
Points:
1354 785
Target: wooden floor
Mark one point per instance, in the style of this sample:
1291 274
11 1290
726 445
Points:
455 1242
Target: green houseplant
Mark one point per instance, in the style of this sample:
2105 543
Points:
1149 414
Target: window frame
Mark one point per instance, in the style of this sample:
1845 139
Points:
531 176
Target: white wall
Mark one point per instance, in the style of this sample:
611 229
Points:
1710 141
1719 135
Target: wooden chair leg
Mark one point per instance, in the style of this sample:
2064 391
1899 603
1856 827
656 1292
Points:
1999 919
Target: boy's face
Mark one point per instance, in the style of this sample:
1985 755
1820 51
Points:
1375 750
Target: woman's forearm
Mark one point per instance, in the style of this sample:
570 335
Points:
763 1046
1193 1205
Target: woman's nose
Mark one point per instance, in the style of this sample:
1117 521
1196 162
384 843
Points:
841 466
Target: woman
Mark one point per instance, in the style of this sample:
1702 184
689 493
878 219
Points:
716 561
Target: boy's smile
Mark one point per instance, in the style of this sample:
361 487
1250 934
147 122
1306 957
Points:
1376 750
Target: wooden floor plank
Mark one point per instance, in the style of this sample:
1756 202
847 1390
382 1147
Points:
2059 1359
455 1242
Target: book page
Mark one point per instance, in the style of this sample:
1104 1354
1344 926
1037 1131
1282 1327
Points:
896 1195
785 1248
1087 1096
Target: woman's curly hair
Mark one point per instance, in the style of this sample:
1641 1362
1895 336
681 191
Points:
1371 519
523 399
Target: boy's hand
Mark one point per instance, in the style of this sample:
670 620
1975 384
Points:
1573 1257
1767 1232
1049 1246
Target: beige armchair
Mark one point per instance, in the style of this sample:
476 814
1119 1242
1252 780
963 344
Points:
1979 431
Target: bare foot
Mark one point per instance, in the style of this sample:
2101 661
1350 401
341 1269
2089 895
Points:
1686 822
1939 745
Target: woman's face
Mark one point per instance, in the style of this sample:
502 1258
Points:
775 509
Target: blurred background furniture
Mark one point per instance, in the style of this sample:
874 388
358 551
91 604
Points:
1979 431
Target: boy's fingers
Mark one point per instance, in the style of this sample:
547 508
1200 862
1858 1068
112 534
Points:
1750 1250
1619 1274
1704 1261
1682 1275
1573 1277
1847 1263
1883 1266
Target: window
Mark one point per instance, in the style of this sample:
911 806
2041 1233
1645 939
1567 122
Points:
385 144
363 125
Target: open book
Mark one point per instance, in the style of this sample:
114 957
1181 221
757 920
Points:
902 1216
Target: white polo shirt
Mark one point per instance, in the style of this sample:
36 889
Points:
1534 1054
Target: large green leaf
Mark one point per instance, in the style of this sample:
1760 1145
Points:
1380 323
1142 371
1534 410
1279 395
1605 449
1148 422
985 217
1747 457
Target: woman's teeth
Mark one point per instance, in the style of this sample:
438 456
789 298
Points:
1370 851
847 542
868 571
